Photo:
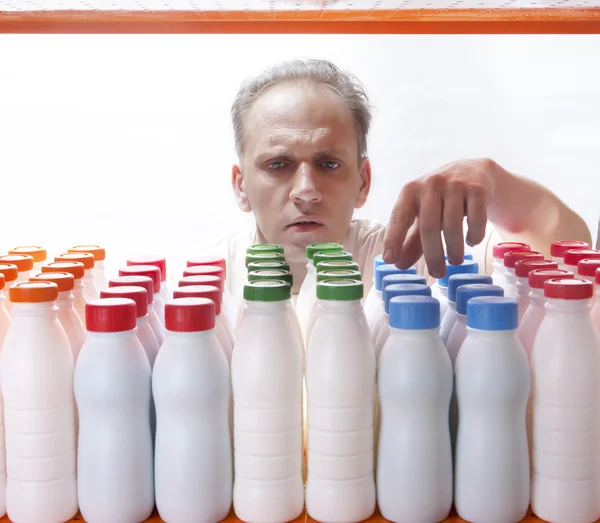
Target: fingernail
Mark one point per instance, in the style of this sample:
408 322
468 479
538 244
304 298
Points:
389 256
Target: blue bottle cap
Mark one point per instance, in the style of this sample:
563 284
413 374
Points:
466 267
402 278
387 270
492 313
456 280
466 292
414 312
467 256
377 261
403 289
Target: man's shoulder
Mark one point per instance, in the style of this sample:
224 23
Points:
362 228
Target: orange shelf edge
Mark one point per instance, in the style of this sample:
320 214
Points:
428 21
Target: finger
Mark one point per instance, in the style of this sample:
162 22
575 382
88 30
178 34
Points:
454 212
477 203
402 217
430 225
412 249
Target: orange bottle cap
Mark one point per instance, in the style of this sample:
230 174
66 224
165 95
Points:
37 253
34 292
82 257
24 262
75 268
64 280
96 251
2 281
10 272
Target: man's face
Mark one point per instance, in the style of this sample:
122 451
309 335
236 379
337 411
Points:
300 174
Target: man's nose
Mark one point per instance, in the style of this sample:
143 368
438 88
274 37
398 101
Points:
305 189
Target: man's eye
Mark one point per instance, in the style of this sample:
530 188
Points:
275 166
330 165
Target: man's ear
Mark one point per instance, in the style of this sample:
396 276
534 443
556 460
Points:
238 184
365 183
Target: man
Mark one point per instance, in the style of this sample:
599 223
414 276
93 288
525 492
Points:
301 138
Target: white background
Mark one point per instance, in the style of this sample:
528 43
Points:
126 141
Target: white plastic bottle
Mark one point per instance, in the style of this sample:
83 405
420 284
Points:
307 296
574 256
162 287
454 282
11 274
392 279
191 388
340 381
4 326
536 312
89 288
77 270
586 269
373 304
214 294
510 278
159 305
440 288
146 283
414 469
266 375
377 261
463 294
67 316
596 309
36 371
522 270
144 332
38 254
113 391
558 249
392 291
492 386
99 253
23 262
498 251
566 406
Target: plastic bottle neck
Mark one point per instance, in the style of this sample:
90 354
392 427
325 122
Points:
572 307
414 333
537 298
498 264
340 306
111 337
150 307
78 286
461 318
452 306
65 300
523 286
30 310
188 337
266 307
142 320
88 274
506 335
443 290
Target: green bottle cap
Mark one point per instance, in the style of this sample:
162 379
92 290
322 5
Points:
341 274
264 247
264 256
267 290
265 265
339 290
331 256
271 274
314 248
337 265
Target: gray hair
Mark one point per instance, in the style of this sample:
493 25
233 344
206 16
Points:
322 72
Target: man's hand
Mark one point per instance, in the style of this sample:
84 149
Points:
436 204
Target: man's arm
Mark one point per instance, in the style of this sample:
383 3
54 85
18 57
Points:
481 190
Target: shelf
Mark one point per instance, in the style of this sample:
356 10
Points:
377 518
300 16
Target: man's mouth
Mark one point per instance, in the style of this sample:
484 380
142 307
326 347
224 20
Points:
305 225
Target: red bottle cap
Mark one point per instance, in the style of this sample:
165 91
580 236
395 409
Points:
574 256
64 280
75 268
215 261
135 281
155 261
10 272
558 249
24 262
138 294
598 276
190 315
110 315
569 289
143 270
588 266
82 257
202 279
511 258
501 249
205 270
538 277
200 291
524 267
